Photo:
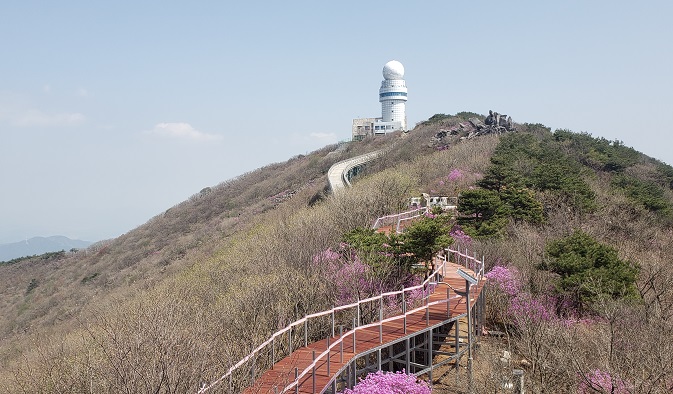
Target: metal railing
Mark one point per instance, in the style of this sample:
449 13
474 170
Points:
336 175
428 286
398 218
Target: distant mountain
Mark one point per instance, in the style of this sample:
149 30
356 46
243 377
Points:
39 245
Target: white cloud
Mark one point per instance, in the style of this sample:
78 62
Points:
182 130
34 117
326 138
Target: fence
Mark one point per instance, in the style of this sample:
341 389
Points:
427 287
397 219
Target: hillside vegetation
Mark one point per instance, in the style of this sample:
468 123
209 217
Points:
579 229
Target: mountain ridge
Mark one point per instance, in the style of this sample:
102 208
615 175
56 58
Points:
39 245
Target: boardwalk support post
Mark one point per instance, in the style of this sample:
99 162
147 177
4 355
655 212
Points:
313 372
408 359
430 355
456 346
469 339
518 381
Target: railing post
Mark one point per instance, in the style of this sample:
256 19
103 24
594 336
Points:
305 331
381 323
296 380
273 351
446 261
313 372
341 343
427 314
404 302
354 331
332 320
329 353
289 341
358 314
381 308
448 302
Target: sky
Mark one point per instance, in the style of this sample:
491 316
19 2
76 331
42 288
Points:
113 112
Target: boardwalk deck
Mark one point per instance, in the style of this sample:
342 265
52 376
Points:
367 340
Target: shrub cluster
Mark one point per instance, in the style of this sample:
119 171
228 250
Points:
589 270
390 383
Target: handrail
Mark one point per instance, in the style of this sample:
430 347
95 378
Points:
478 270
354 330
400 216
336 180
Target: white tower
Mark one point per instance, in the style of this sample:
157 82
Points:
393 94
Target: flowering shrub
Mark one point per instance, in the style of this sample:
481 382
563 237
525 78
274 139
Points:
455 174
598 380
353 280
459 236
504 278
327 256
525 308
390 383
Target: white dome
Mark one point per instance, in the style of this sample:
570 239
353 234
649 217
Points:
393 70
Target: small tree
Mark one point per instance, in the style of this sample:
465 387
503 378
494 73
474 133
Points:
589 269
485 213
425 237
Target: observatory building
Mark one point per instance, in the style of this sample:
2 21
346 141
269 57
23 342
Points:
393 99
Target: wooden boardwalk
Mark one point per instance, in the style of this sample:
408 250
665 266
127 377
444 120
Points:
368 338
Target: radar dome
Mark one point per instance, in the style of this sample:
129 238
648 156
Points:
393 70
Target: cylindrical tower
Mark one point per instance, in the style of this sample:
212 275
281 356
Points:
393 94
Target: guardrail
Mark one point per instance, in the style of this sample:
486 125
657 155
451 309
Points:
336 173
397 218
428 286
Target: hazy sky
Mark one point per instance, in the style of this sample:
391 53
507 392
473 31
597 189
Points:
112 112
